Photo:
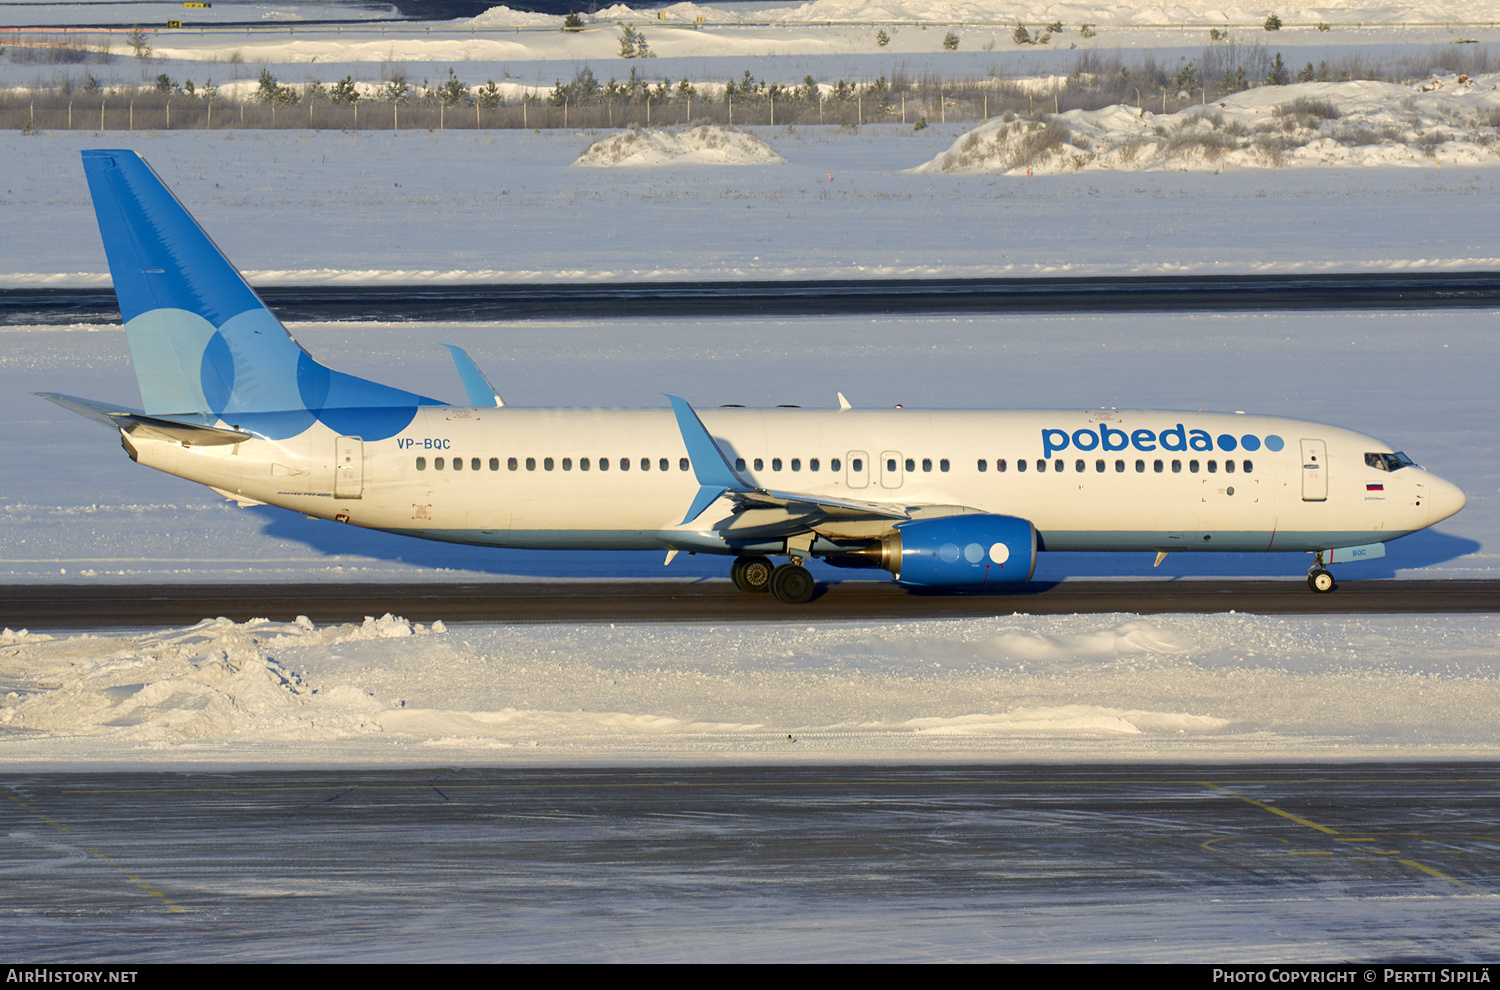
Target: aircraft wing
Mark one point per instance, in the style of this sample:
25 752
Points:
717 478
833 508
176 429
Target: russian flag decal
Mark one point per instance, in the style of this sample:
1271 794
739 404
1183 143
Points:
1374 488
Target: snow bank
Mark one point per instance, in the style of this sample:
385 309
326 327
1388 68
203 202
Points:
1013 11
707 145
1444 120
1228 687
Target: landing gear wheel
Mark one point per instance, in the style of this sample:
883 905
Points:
791 583
1320 580
751 574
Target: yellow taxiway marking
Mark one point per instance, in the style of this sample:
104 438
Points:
99 855
1336 837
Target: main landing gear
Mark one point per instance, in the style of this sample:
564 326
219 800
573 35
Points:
751 574
790 583
1319 578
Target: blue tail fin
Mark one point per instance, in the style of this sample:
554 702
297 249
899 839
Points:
202 340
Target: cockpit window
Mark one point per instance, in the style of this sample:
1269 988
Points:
1389 462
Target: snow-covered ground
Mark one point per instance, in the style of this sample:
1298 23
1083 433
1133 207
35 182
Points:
1109 687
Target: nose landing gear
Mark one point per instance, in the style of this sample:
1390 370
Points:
1319 578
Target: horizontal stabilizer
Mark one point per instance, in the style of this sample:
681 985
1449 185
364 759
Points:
176 429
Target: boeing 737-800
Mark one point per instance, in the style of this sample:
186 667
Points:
941 499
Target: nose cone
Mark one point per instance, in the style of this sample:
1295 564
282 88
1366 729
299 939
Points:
1443 499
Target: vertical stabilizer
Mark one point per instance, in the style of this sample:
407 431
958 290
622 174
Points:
202 340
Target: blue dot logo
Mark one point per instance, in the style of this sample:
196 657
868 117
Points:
1250 442
1274 443
1226 442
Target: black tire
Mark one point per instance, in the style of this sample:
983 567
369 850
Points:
1321 581
792 584
752 574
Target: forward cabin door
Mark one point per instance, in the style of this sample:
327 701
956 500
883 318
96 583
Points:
1314 471
349 468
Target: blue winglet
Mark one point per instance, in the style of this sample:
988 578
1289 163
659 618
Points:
710 466
481 392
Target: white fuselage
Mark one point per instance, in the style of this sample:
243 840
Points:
621 479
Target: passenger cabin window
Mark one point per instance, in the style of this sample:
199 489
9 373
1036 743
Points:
547 464
760 464
739 464
495 464
683 464
646 463
1213 467
856 465
812 464
1229 467
943 464
1000 465
511 464
421 464
911 465
583 463
1119 467
1020 465
604 463
1099 466
1248 466
624 464
1079 466
437 463
775 464
1176 467
926 464
531 463
567 463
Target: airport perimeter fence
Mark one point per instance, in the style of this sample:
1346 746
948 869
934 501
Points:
149 111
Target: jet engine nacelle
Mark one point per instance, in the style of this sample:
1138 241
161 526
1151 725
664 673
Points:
960 551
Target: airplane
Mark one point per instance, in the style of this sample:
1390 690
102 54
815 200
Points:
942 499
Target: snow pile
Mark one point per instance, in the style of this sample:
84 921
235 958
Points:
215 680
1442 120
1019 687
706 145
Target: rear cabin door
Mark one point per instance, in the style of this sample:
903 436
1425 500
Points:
349 468
1314 471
